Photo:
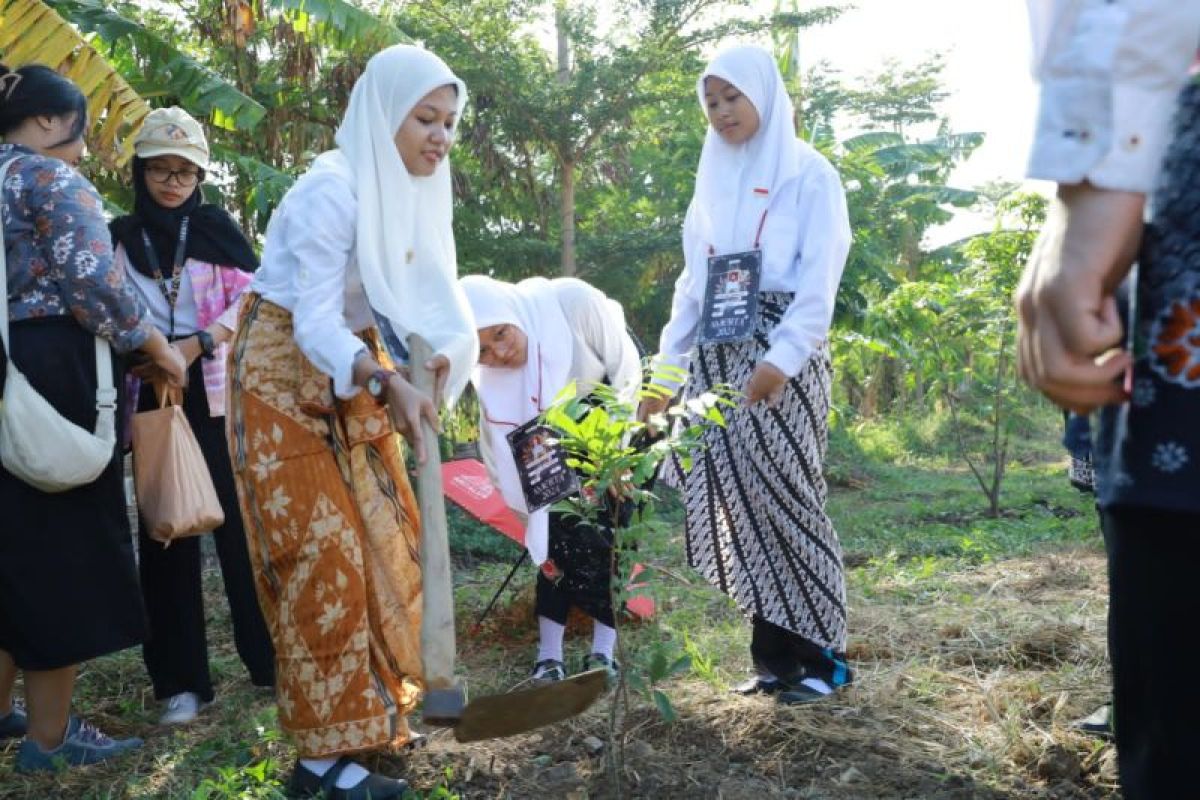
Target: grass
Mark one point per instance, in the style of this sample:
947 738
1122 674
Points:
975 641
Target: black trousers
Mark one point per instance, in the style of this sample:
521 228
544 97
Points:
792 658
176 652
1152 563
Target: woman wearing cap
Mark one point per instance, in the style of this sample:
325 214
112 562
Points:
756 521
68 585
359 253
189 263
535 338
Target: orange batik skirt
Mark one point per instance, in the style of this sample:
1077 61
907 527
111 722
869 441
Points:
334 537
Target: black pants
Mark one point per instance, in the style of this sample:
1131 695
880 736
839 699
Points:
176 652
1152 563
792 658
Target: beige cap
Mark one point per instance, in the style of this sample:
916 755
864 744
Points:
172 132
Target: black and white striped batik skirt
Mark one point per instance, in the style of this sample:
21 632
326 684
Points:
756 522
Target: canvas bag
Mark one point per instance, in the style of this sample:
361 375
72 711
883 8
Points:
37 444
174 488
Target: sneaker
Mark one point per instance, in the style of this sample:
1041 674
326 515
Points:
1098 723
15 722
548 671
181 709
83 744
373 787
759 684
601 661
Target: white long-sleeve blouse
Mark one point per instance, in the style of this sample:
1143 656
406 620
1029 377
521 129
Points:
805 240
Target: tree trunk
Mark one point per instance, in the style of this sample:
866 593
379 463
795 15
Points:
567 209
567 165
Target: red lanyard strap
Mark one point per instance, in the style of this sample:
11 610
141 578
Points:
757 234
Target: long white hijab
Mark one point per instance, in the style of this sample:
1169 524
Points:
511 396
405 241
736 183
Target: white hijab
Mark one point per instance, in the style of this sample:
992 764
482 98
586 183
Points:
405 241
513 396
735 184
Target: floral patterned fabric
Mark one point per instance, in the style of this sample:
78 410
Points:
60 259
334 536
1147 451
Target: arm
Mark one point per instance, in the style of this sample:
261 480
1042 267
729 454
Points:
823 242
1110 75
679 335
70 232
320 236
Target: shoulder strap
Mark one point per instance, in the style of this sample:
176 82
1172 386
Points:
106 390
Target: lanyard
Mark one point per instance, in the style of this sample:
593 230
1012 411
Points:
537 399
170 288
757 234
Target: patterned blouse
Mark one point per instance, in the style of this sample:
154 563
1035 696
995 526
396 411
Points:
60 258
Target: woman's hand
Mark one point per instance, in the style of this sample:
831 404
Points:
652 406
190 347
408 407
167 363
439 365
766 383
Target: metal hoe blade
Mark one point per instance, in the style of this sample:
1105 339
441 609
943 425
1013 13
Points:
500 715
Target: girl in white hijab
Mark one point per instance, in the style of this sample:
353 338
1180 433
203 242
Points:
358 256
536 337
756 522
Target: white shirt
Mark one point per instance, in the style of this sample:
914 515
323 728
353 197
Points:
308 267
157 308
805 240
1110 76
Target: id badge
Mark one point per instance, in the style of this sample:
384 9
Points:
731 297
541 465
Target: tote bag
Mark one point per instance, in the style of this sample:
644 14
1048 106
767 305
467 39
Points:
174 488
37 444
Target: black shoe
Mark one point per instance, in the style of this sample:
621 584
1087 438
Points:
548 670
1098 723
306 784
799 694
759 685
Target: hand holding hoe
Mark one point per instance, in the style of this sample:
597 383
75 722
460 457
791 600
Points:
445 698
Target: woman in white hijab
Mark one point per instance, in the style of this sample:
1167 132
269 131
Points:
536 337
769 209
359 253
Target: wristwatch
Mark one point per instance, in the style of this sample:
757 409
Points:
207 345
377 384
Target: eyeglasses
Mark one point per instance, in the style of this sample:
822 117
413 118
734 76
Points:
184 177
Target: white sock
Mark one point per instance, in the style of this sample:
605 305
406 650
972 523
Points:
604 639
351 776
817 685
550 639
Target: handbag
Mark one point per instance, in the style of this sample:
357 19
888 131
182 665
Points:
37 444
171 480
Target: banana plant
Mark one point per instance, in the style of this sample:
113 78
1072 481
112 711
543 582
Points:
32 31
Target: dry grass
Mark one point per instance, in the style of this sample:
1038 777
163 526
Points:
967 679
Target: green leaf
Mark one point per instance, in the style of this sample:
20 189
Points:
165 68
665 709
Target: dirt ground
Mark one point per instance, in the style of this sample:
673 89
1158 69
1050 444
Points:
965 688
